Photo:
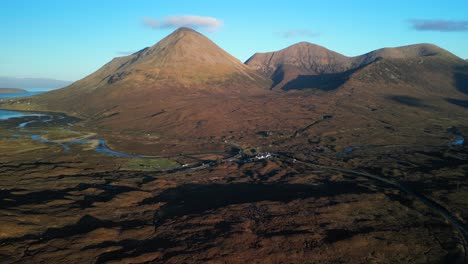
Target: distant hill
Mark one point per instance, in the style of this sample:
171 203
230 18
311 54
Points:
11 90
306 65
32 83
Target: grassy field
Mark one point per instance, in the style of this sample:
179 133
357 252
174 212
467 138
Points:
149 164
9 147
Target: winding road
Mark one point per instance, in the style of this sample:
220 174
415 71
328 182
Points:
434 206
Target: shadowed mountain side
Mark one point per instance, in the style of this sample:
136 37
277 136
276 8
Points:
461 78
324 82
408 100
462 103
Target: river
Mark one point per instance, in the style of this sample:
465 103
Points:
43 118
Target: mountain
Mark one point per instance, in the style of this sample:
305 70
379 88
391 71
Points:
423 65
297 60
11 90
185 60
306 65
32 83
182 64
396 92
181 86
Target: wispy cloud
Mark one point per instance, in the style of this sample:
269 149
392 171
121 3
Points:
124 53
439 25
210 24
297 33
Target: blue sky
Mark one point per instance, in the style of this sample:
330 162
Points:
70 39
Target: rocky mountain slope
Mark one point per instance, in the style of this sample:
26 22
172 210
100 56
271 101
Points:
306 65
183 63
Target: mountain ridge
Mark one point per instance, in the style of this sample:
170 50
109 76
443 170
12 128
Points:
308 59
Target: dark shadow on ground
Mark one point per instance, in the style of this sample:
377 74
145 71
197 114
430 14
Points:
84 225
461 79
462 103
277 77
197 199
324 82
408 101
9 198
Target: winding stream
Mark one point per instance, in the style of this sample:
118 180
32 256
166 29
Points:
7 114
100 144
459 139
102 148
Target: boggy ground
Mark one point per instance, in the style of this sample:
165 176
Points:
313 202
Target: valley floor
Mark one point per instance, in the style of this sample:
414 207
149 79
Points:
303 203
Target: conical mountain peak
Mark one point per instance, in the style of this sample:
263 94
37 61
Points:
185 29
182 45
185 62
188 46
183 34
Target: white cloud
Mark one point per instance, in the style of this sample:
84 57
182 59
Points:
210 24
